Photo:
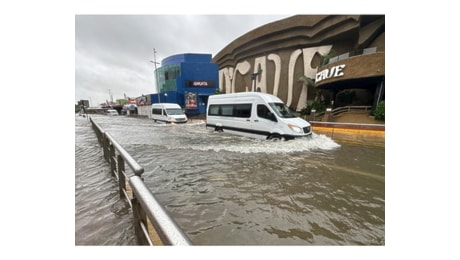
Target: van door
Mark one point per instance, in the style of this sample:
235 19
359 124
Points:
237 116
265 120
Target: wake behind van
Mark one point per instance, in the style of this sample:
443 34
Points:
255 114
168 113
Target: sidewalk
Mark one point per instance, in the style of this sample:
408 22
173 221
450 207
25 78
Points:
352 127
357 117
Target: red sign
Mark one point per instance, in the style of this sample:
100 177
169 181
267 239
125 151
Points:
191 100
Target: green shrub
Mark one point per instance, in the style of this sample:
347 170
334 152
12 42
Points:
318 106
380 111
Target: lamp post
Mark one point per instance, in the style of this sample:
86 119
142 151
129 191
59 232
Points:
254 77
155 73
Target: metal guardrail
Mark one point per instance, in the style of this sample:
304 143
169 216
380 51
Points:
143 203
330 113
339 110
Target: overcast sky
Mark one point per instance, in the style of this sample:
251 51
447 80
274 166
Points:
113 52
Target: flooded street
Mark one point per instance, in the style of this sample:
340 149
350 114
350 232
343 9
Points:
224 189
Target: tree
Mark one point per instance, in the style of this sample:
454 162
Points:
325 58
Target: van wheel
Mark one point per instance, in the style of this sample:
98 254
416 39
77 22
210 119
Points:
275 137
219 129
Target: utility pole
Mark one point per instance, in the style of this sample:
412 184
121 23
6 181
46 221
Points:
155 73
110 96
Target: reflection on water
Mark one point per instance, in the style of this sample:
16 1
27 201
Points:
229 190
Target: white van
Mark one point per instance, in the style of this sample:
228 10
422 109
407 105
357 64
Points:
168 112
255 114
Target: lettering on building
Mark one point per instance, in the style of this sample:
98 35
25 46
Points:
244 68
200 83
334 72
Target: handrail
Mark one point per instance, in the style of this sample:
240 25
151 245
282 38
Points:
167 229
339 110
331 113
142 202
137 169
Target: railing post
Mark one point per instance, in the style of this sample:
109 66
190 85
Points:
138 217
105 147
329 114
121 176
113 164
313 115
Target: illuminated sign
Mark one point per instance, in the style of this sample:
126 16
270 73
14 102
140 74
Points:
200 83
330 73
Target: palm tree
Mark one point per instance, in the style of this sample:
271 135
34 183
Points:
325 58
309 82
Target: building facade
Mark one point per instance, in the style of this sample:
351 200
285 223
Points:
188 80
342 55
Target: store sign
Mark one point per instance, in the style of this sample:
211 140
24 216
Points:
200 83
330 73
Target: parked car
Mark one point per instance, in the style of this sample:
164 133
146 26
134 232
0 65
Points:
112 112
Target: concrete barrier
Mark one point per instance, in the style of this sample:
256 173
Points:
368 134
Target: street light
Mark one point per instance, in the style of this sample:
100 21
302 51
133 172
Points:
254 77
155 73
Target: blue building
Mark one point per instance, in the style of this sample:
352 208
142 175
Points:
188 80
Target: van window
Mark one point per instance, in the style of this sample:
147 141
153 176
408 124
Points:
243 110
232 110
226 110
214 110
174 111
282 110
156 111
264 112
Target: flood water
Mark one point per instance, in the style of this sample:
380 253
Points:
224 189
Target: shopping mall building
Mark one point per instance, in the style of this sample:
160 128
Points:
342 55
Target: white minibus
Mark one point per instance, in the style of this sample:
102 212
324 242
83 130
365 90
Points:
168 112
255 114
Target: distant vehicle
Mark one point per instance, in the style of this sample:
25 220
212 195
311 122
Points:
112 112
129 109
255 114
168 113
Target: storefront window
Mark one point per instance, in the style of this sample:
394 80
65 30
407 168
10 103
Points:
167 77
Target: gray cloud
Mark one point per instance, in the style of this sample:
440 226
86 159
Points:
113 52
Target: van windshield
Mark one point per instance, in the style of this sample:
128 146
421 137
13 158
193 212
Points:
174 111
282 110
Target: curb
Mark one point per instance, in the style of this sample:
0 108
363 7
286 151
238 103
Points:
366 134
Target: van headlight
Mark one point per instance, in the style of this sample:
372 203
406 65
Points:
295 128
